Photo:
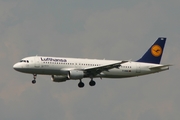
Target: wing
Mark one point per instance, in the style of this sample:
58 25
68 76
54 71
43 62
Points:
93 71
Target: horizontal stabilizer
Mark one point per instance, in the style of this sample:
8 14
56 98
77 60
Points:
160 67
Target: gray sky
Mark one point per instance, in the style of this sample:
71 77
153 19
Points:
100 29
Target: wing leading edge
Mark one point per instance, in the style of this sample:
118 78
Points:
93 71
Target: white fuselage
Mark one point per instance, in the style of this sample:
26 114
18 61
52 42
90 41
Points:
61 66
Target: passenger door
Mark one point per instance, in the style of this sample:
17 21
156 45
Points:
36 62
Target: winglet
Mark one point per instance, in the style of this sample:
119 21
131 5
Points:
154 54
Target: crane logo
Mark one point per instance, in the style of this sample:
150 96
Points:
156 50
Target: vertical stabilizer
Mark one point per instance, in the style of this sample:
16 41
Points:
154 54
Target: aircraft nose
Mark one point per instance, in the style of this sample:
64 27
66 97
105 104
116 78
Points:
17 66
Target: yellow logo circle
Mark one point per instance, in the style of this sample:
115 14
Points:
156 50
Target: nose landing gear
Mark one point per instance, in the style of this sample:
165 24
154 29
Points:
34 76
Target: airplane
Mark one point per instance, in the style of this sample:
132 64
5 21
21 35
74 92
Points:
62 69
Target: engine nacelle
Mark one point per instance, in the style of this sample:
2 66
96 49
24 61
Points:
76 74
59 78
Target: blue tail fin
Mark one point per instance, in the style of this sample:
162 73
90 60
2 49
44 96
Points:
154 54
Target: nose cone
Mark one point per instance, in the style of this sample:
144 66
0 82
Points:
17 66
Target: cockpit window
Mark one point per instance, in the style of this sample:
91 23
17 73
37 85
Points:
26 61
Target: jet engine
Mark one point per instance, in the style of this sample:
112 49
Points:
59 78
76 74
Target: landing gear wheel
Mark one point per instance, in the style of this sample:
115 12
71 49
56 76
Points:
34 76
92 83
81 84
33 81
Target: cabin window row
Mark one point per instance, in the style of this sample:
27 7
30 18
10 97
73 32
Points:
72 63
125 66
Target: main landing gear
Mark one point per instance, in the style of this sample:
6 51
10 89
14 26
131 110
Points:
91 83
34 76
81 84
